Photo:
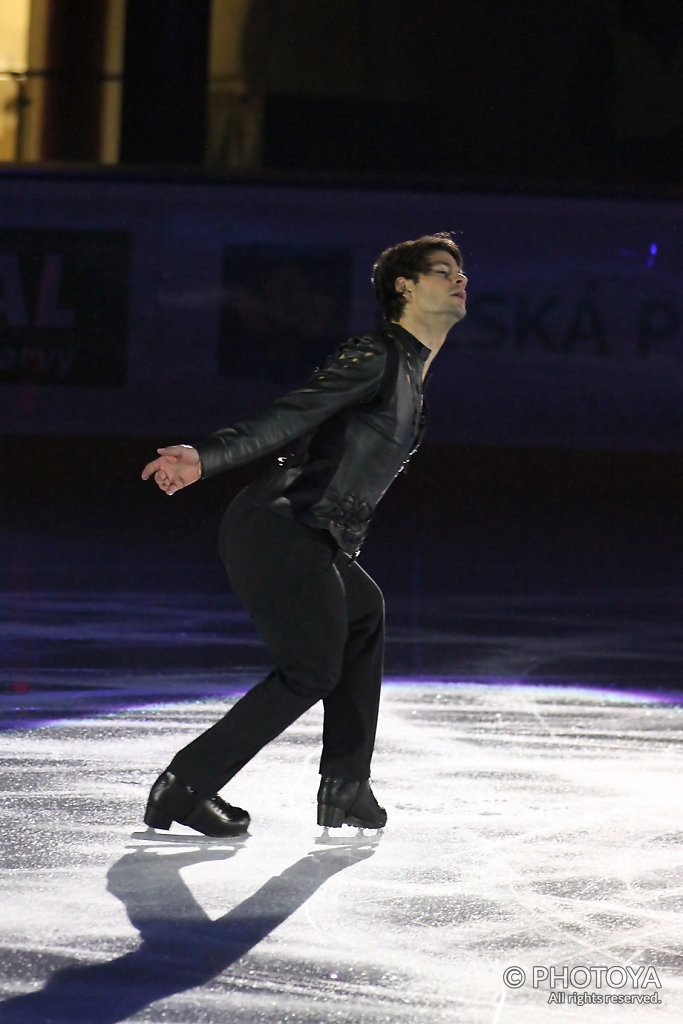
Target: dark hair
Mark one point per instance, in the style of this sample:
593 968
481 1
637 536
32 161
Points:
407 259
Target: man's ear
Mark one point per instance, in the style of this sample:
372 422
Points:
402 286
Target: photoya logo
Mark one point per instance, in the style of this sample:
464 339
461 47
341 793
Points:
561 979
598 977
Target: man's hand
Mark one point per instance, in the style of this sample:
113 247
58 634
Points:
177 466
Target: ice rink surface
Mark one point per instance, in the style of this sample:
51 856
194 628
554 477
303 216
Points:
529 756
530 827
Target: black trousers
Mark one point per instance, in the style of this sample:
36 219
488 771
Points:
323 622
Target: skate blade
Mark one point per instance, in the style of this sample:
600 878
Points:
349 835
152 835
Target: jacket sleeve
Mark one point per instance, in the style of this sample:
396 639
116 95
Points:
350 377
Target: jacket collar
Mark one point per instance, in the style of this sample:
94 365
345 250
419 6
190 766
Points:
408 339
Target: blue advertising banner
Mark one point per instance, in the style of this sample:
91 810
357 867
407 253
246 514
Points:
171 309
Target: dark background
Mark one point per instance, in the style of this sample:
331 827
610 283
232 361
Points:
527 94
581 99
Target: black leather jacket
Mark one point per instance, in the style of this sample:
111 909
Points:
357 421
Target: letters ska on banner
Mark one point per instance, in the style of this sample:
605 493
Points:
614 319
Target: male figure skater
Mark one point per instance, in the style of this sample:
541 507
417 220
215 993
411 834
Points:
289 543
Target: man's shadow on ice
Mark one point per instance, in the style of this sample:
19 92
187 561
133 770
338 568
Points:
181 947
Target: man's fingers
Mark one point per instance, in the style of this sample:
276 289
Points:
168 459
168 475
173 452
160 472
150 469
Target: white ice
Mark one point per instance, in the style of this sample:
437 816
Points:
529 826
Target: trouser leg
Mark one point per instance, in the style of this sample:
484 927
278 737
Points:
284 575
351 709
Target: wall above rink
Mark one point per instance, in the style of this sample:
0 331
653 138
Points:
139 306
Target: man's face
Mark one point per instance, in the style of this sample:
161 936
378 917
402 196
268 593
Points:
439 290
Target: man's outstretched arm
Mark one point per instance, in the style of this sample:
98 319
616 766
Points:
352 375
